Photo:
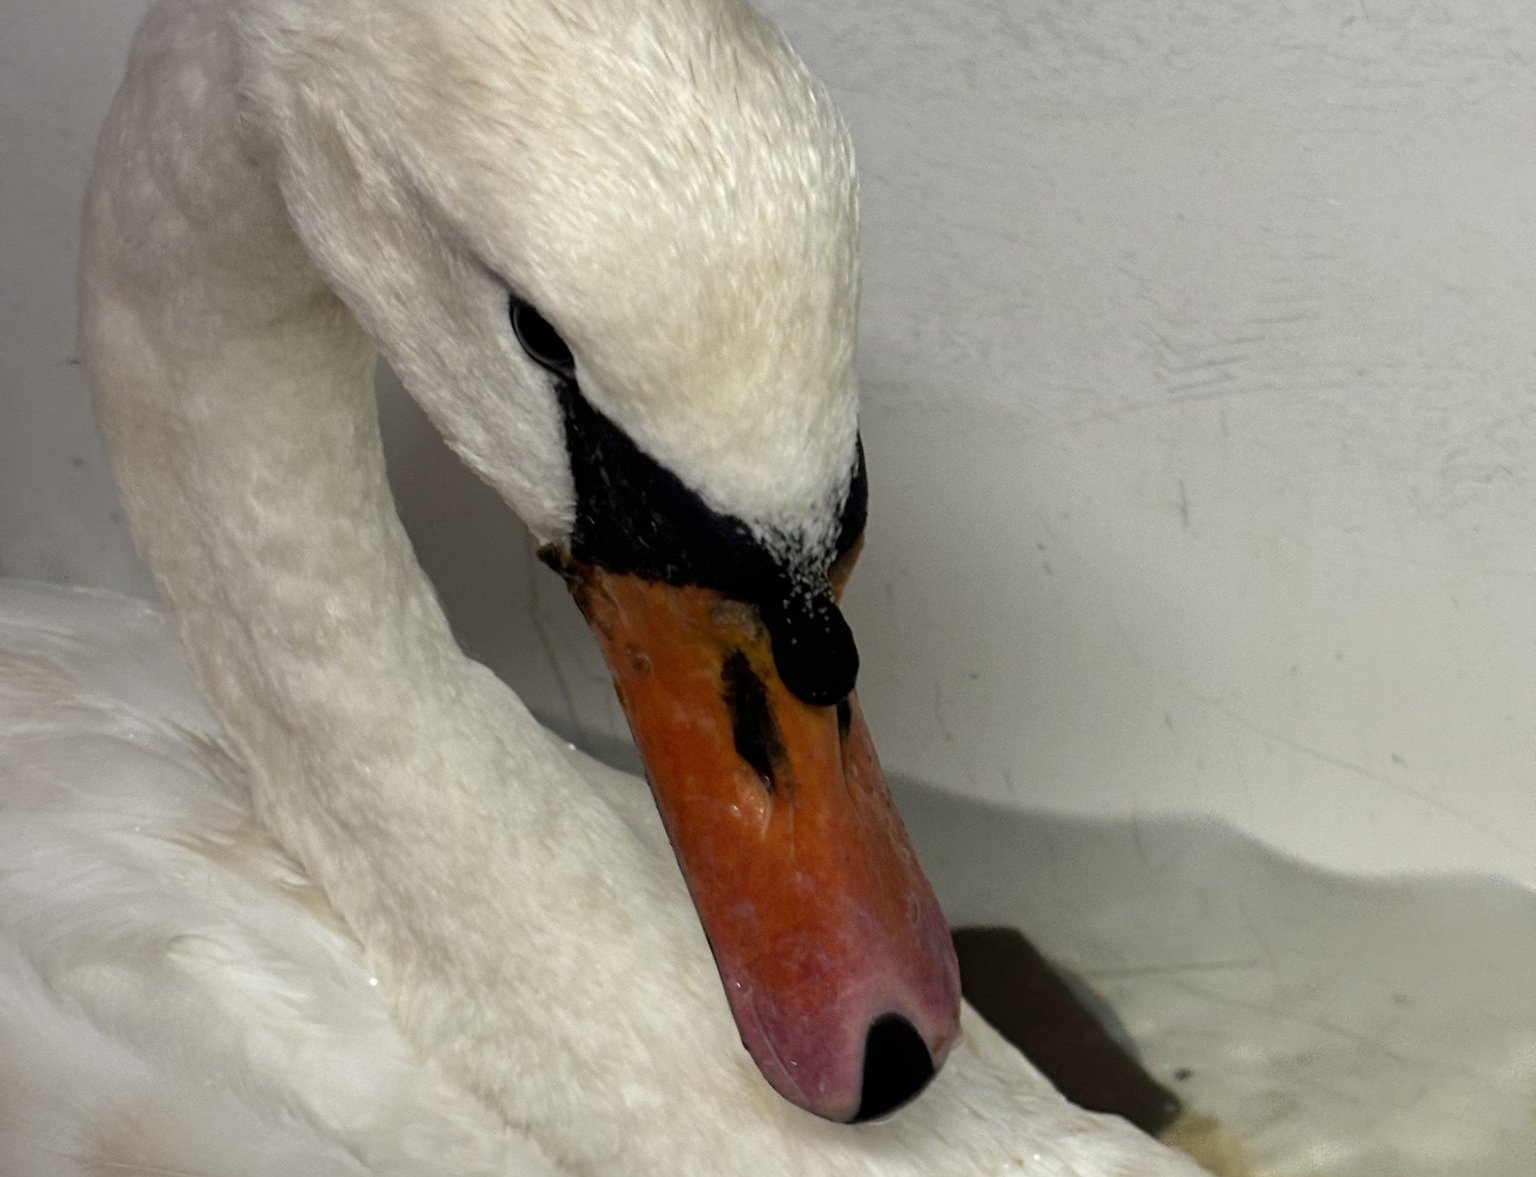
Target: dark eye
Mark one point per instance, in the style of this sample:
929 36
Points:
541 341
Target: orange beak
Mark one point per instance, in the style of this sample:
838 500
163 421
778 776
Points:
836 959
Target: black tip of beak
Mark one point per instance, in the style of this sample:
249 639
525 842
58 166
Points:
897 1066
813 648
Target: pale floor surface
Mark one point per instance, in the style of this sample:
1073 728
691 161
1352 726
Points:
1334 1026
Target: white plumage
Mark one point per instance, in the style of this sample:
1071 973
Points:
487 962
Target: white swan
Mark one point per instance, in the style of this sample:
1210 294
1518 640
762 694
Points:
281 181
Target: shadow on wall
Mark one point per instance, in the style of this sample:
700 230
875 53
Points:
507 610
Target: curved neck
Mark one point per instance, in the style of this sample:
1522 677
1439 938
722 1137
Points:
235 395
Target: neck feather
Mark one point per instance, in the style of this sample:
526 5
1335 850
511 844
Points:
235 394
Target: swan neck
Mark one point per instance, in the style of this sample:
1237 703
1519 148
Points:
235 397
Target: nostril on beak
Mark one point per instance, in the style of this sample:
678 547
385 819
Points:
897 1066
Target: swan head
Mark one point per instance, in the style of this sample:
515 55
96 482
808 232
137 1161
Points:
611 249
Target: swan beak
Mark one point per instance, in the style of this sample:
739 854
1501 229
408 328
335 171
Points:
836 959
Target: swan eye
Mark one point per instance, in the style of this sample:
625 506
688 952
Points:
540 341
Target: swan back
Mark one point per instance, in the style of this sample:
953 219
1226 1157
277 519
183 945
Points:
175 995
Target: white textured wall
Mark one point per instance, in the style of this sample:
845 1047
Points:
1200 366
